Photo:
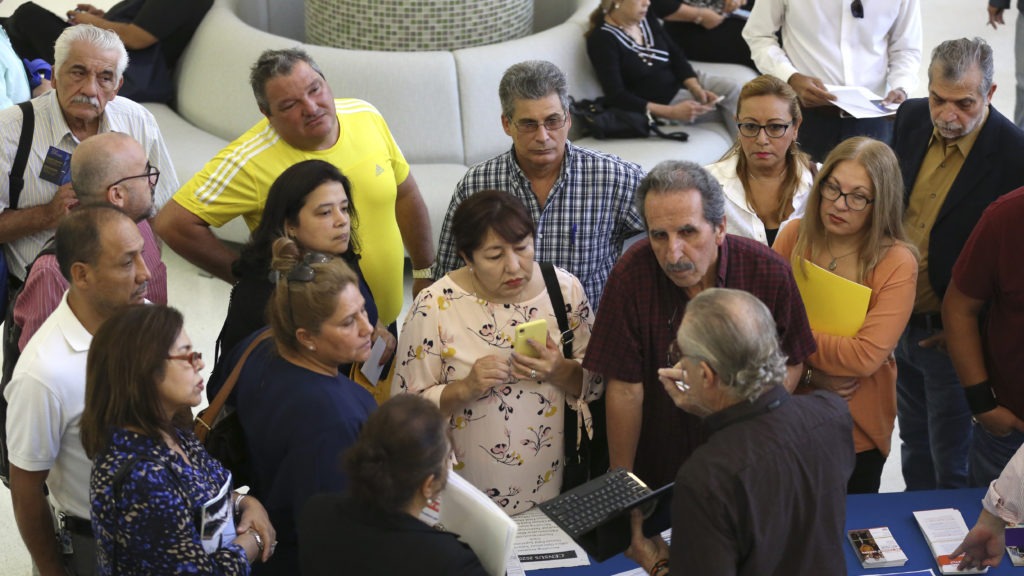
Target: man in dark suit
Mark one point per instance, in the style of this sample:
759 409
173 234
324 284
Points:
957 154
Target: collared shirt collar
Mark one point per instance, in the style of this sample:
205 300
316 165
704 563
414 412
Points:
78 338
769 400
964 143
723 260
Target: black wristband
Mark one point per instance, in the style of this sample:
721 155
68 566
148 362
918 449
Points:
981 398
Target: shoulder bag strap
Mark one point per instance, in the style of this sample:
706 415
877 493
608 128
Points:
558 302
17 175
204 423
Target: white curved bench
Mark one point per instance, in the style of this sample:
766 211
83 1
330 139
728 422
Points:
442 106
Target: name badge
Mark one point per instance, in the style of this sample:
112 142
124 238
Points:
56 167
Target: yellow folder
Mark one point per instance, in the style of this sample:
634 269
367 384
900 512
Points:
834 304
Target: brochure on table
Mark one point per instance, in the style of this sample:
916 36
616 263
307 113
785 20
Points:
944 530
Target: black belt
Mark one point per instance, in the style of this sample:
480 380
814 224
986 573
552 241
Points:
75 525
928 320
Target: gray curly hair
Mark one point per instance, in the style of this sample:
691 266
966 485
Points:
734 332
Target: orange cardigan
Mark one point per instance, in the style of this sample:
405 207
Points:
869 354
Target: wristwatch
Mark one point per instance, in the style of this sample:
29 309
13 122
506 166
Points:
423 273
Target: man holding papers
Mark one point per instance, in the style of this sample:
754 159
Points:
957 155
874 45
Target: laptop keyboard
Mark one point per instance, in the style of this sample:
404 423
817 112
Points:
587 506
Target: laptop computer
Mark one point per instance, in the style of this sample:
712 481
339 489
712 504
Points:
596 514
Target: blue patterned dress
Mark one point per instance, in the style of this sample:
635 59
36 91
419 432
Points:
147 523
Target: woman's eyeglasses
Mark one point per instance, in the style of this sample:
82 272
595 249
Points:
194 358
751 129
855 200
304 272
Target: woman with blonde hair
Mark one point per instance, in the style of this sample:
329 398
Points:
765 176
299 413
853 228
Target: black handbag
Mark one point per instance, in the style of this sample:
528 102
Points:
219 429
590 458
595 118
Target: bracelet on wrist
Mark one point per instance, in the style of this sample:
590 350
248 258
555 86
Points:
238 502
660 568
980 397
423 273
259 543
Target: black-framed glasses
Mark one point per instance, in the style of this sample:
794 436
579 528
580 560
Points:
551 124
152 172
857 9
752 129
194 358
854 200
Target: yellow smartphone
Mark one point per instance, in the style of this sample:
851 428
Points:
536 329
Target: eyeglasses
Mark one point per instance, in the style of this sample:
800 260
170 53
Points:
675 358
551 124
854 200
857 9
751 130
194 358
152 172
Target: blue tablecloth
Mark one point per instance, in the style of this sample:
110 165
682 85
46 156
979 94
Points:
894 510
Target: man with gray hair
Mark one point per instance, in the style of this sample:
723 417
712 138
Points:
303 121
957 155
686 251
789 456
87 74
580 200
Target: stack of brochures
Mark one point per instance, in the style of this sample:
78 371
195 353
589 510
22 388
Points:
944 530
1015 543
876 548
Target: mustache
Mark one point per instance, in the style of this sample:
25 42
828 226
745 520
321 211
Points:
949 126
680 266
141 290
83 99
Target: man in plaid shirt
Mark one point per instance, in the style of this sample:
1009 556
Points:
581 200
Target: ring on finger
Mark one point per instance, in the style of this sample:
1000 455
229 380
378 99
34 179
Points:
533 374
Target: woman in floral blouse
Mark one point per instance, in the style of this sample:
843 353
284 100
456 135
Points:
505 409
160 503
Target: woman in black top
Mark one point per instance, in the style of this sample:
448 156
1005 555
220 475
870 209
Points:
396 468
311 203
640 69
706 29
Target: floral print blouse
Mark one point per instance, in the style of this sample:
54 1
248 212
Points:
147 523
509 442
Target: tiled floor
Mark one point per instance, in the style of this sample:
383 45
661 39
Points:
203 299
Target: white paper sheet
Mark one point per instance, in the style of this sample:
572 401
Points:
540 543
371 368
860 102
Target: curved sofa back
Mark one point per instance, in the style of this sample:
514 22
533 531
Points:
441 106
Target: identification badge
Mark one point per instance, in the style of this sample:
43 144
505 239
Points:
56 167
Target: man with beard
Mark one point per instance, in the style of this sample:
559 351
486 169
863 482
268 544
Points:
953 168
109 168
99 250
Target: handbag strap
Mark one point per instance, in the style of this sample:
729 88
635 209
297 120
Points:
555 294
17 175
204 423
558 302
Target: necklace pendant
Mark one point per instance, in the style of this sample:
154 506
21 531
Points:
832 265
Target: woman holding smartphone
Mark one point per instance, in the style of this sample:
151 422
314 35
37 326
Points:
456 349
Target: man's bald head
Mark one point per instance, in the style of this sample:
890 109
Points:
110 168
